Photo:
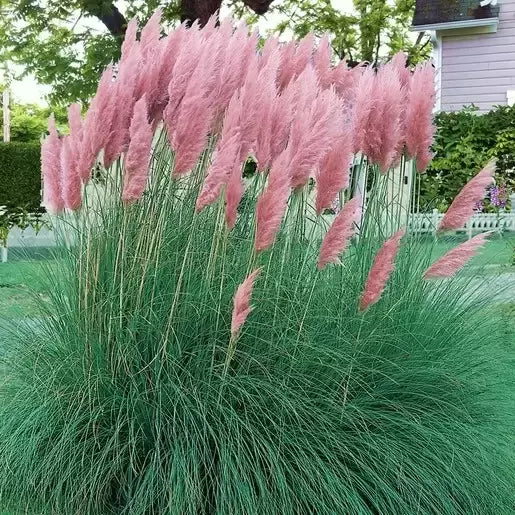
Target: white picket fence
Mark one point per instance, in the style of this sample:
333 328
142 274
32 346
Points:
480 222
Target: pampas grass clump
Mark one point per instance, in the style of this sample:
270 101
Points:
142 392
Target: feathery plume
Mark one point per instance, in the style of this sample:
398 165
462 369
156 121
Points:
384 124
322 62
225 158
334 172
51 169
75 121
364 104
419 114
273 202
456 258
71 182
233 196
462 208
242 307
138 153
150 34
129 40
381 270
339 234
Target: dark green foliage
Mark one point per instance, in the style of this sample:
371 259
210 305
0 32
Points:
20 175
118 401
464 142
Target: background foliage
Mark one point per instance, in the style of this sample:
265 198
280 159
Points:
20 187
464 142
66 45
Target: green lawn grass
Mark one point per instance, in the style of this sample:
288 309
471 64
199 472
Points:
21 279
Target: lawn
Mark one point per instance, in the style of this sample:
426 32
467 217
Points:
21 278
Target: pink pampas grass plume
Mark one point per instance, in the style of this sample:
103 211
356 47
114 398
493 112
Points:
462 208
419 114
312 134
340 232
365 103
456 258
129 40
51 169
242 307
225 158
384 123
334 171
75 121
233 196
71 182
151 33
138 153
273 202
322 62
381 270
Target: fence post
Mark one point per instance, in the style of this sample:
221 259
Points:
434 220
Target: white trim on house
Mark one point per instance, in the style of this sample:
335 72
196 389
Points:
436 39
510 97
465 24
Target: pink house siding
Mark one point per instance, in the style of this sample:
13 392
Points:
479 68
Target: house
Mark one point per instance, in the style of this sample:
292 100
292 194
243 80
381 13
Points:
474 50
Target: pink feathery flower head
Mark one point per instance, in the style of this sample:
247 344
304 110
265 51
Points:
191 50
322 62
71 182
138 153
381 270
75 121
456 258
312 135
287 65
398 62
51 169
129 40
270 48
345 80
334 171
98 121
125 99
242 307
303 54
233 196
462 208
150 34
338 236
419 114
272 203
384 129
281 120
365 103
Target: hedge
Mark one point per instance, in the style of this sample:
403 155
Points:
20 176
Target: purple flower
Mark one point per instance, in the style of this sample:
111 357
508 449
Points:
479 206
499 196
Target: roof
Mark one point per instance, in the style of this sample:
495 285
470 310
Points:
431 12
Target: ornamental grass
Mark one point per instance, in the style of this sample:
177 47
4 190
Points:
215 344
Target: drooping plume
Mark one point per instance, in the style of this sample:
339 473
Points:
322 62
419 115
138 154
225 158
456 258
272 203
71 182
51 169
381 270
334 171
464 204
339 234
364 105
242 307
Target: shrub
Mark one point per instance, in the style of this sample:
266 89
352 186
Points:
150 386
464 142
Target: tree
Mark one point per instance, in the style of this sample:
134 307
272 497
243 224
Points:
67 44
375 30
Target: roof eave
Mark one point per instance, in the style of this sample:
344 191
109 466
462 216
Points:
464 24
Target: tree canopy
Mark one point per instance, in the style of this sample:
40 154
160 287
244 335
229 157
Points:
67 44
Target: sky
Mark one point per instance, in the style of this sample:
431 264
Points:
29 91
